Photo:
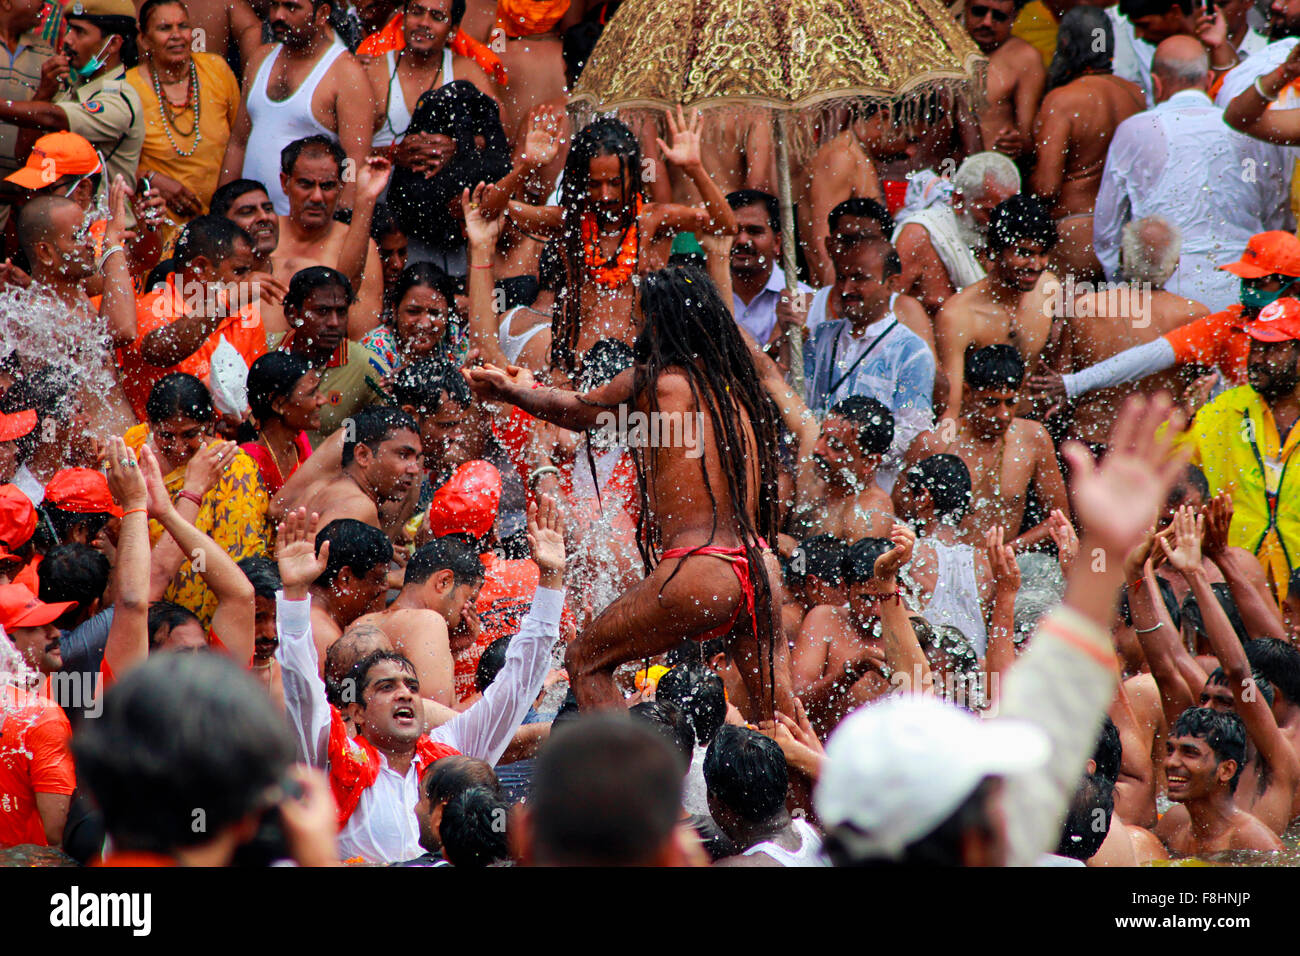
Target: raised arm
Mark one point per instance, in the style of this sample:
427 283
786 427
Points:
685 154
201 475
1178 676
128 635
358 259
1249 111
1242 571
117 307
903 651
354 110
567 409
232 164
483 234
1000 653
952 333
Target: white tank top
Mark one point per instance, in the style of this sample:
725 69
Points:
398 117
808 854
276 125
956 597
513 345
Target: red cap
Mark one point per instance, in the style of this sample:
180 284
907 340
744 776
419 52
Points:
19 607
17 425
17 517
1268 253
82 491
467 503
1278 321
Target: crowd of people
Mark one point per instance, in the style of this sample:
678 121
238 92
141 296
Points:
395 471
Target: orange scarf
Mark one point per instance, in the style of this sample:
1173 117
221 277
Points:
393 37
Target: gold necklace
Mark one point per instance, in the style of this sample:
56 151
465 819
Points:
284 476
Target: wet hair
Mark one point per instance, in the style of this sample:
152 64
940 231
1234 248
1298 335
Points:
874 420
212 237
179 395
1192 478
1109 752
860 562
1021 218
1191 612
490 663
744 198
448 553
862 208
1219 678
354 545
1279 661
157 276
320 143
576 46
359 675
550 267
688 327
604 137
374 425
670 723
698 693
823 558
473 829
223 200
274 375
422 385
449 776
942 846
63 523
263 574
1081 837
969 179
606 791
178 732
72 572
1076 48
890 264
35 221
306 281
603 363
166 614
995 366
383 223
426 275
1223 732
947 479
746 773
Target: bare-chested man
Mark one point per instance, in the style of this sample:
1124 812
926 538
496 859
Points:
1206 751
1105 322
1006 455
380 463
442 579
709 512
840 170
1077 121
840 653
608 232
1016 77
835 490
1016 304
306 84
311 178
942 247
61 254
354 580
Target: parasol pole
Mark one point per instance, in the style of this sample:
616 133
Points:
789 239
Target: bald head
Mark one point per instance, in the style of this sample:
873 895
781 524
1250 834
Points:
1180 63
41 219
357 641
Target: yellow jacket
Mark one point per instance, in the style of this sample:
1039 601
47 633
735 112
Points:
1237 446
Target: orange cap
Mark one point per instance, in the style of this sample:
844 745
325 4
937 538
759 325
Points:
19 607
54 156
17 517
467 503
1278 321
17 425
81 491
1268 253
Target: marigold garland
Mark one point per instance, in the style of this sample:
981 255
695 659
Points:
612 274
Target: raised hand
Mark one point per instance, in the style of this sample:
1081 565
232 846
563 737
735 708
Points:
887 564
1002 558
1212 28
125 483
542 144
685 133
160 502
1218 520
116 232
1067 542
1117 502
1185 556
372 178
492 384
295 553
482 222
546 539
205 468
1136 558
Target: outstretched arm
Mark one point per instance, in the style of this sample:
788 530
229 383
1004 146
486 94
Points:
128 635
1242 571
567 409
305 703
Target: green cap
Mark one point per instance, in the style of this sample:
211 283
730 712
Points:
685 244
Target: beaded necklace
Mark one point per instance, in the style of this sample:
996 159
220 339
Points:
192 91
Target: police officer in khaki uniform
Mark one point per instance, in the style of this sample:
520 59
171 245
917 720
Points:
85 90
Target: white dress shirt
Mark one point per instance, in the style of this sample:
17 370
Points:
1180 160
1132 56
759 317
383 828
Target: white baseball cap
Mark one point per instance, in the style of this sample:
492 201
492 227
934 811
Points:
896 770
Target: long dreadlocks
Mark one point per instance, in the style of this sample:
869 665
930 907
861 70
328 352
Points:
688 327
604 137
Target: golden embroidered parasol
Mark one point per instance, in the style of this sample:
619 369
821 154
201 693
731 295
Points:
797 59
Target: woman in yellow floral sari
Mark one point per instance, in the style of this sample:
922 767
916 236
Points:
213 484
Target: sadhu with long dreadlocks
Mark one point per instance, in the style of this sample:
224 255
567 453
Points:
610 234
703 435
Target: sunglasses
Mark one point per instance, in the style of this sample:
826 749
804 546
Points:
980 12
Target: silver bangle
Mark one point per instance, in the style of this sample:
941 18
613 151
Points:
1148 630
540 473
104 257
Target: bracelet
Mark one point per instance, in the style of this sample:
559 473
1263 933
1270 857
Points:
133 511
1148 630
541 472
191 496
104 256
1260 90
473 266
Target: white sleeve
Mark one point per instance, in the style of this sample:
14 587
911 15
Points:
1128 366
1111 210
304 692
487 727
